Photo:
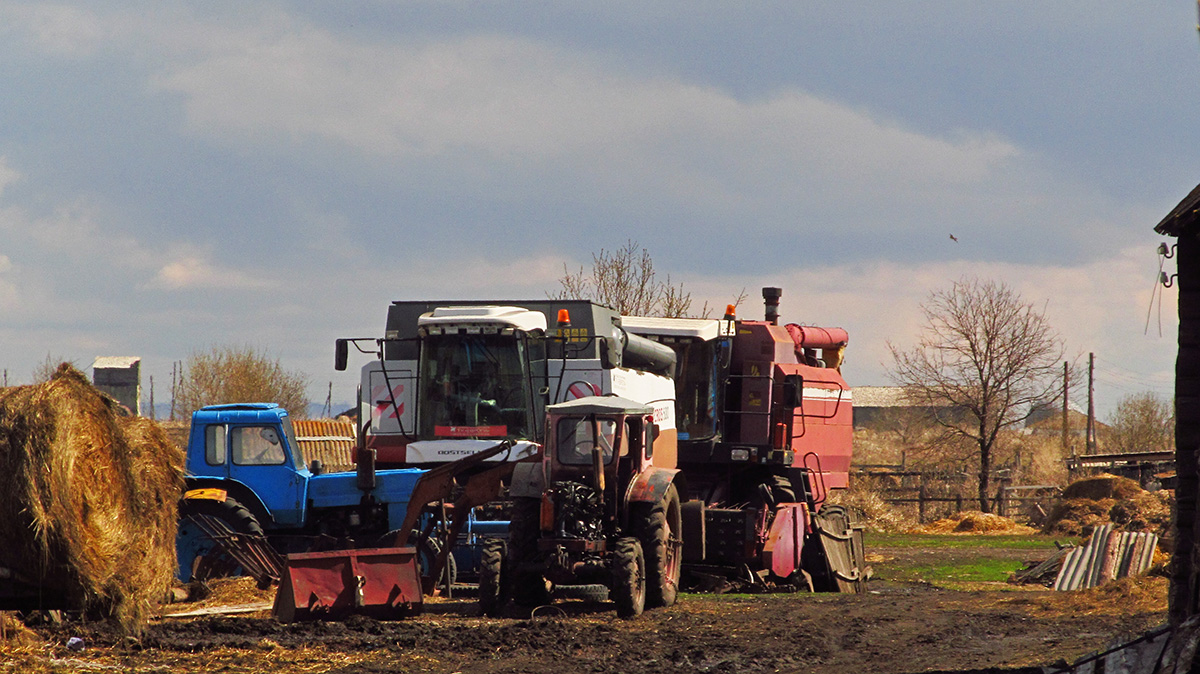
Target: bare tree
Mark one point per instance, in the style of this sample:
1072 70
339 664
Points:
1142 422
46 369
984 358
233 374
625 280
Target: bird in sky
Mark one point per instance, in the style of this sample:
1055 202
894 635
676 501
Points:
954 238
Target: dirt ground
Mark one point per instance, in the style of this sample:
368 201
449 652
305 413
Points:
895 628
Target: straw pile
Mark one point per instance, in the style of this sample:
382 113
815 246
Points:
1102 499
975 522
91 498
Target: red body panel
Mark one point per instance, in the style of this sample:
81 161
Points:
785 540
822 428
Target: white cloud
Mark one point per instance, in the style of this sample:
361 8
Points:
56 29
196 273
8 175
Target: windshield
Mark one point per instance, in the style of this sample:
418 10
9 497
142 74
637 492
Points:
474 386
698 381
576 437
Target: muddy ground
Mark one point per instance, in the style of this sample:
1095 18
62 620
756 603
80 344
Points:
894 628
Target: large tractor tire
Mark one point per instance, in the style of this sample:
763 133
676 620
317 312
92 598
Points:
201 558
524 530
428 550
629 578
493 581
658 528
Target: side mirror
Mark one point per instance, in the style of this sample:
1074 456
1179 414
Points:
651 436
340 353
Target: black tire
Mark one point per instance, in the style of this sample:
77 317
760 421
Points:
658 528
594 593
427 554
629 578
524 530
782 490
209 560
493 594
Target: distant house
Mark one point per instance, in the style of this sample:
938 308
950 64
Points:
880 407
1047 420
121 378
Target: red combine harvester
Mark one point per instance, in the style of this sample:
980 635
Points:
765 433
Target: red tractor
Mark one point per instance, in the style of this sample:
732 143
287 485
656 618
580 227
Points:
599 516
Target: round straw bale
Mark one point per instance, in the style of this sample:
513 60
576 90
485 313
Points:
92 498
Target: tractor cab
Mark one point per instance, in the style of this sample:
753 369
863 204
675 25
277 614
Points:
601 442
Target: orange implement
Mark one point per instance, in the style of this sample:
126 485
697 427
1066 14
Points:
383 583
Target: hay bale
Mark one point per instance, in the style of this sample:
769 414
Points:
92 498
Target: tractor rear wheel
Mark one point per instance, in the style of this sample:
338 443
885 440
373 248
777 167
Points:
658 528
200 557
524 530
493 592
629 578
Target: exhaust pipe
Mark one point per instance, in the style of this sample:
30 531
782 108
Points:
771 302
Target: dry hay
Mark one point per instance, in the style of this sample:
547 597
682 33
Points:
92 498
1102 486
975 522
875 513
1124 596
1105 499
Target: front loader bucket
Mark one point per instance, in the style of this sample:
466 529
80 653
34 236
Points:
383 583
841 540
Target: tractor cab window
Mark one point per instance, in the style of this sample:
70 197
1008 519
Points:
256 446
576 437
214 444
475 382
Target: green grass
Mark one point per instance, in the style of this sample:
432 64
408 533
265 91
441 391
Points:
961 542
954 562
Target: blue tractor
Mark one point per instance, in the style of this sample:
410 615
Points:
250 501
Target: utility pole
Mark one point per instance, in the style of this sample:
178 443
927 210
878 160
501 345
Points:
1091 421
1066 420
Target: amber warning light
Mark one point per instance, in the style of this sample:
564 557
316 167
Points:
729 312
564 318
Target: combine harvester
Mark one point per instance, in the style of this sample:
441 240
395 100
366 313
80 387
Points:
765 434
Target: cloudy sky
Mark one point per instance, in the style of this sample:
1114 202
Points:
272 174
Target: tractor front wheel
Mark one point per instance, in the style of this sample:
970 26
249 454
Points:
629 578
493 592
524 530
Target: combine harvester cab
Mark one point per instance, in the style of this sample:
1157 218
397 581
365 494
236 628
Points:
765 434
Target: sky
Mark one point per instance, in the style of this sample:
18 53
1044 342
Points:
177 176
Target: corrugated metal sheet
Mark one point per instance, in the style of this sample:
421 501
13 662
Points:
1107 556
327 440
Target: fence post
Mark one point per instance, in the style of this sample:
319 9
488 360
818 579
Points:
921 500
